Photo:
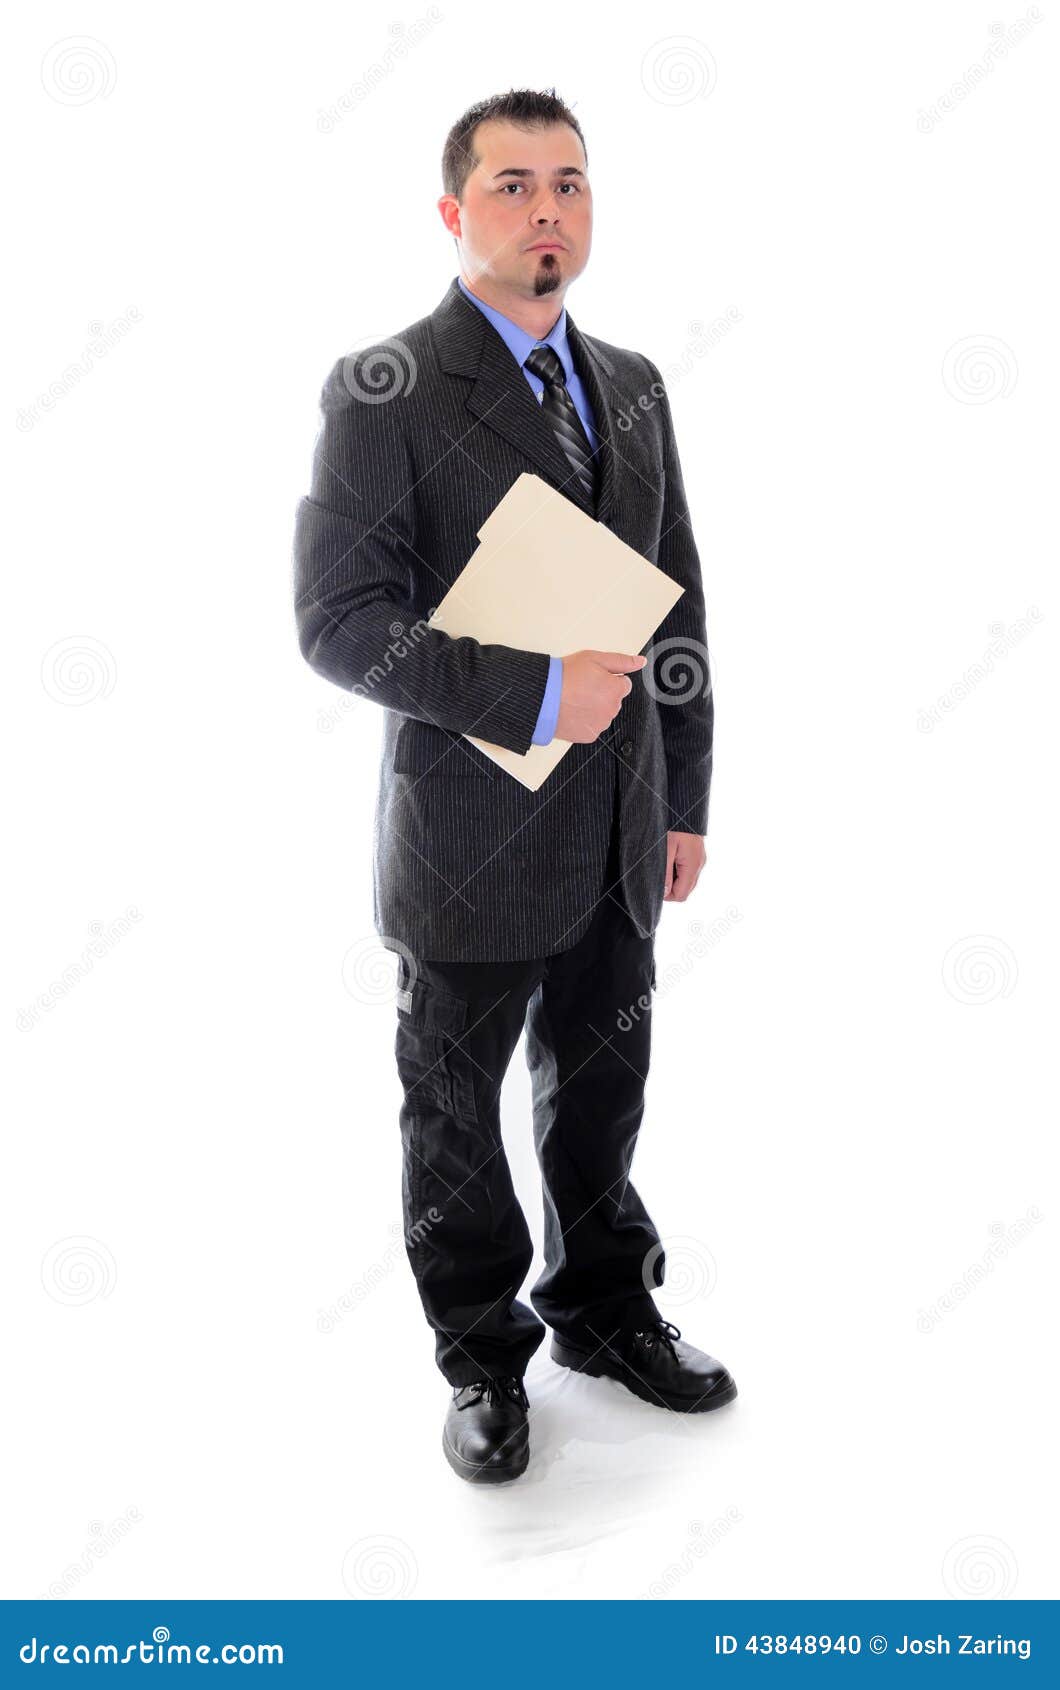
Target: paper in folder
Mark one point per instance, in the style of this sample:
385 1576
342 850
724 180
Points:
547 577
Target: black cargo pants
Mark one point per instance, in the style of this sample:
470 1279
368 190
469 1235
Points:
587 1014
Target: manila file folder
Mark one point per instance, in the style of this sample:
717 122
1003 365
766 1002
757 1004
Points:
546 577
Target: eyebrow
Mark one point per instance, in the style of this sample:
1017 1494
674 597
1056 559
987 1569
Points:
560 170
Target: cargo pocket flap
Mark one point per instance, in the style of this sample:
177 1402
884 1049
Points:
428 1007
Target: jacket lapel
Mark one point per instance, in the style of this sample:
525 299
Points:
502 399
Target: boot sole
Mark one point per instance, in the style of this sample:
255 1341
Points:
477 1473
582 1361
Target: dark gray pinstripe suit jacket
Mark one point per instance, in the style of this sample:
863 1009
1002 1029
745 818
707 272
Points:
421 435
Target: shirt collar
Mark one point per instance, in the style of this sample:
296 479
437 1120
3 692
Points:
519 343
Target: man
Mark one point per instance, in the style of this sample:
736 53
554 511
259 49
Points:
508 907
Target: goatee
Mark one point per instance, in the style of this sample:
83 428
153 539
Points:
547 276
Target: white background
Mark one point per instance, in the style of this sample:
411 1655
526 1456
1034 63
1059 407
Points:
848 1144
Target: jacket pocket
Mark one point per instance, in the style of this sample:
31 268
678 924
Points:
434 1071
423 749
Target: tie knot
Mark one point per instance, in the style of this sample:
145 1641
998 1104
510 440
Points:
544 362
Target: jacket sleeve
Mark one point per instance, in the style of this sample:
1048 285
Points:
355 563
679 663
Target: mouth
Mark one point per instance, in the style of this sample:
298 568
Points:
547 246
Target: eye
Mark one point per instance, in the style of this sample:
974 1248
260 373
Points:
573 186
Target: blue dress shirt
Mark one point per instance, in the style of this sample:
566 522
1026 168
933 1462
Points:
520 344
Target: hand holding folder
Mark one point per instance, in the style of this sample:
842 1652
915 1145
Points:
546 577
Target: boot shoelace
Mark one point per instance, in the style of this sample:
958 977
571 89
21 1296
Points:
663 1330
496 1390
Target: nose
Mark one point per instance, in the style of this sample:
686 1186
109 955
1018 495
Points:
548 210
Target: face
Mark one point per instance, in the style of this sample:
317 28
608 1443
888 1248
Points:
526 220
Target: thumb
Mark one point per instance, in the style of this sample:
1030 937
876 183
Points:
619 662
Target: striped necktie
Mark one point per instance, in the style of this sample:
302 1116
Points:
558 405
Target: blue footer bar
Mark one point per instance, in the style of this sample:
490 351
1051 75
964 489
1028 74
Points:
548 1644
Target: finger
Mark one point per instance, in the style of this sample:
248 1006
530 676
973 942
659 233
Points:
686 873
671 852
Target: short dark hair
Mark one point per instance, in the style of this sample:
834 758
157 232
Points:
522 106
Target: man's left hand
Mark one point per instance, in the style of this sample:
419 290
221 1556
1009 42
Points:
685 855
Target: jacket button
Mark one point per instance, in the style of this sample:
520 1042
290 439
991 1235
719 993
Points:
626 747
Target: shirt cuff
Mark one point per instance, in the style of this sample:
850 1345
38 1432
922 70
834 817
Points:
549 712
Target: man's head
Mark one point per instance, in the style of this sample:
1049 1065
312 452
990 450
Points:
515 173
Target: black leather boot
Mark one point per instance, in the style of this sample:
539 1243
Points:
654 1365
486 1436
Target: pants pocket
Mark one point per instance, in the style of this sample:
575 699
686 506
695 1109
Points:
434 1071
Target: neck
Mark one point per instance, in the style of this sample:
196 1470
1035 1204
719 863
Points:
537 316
